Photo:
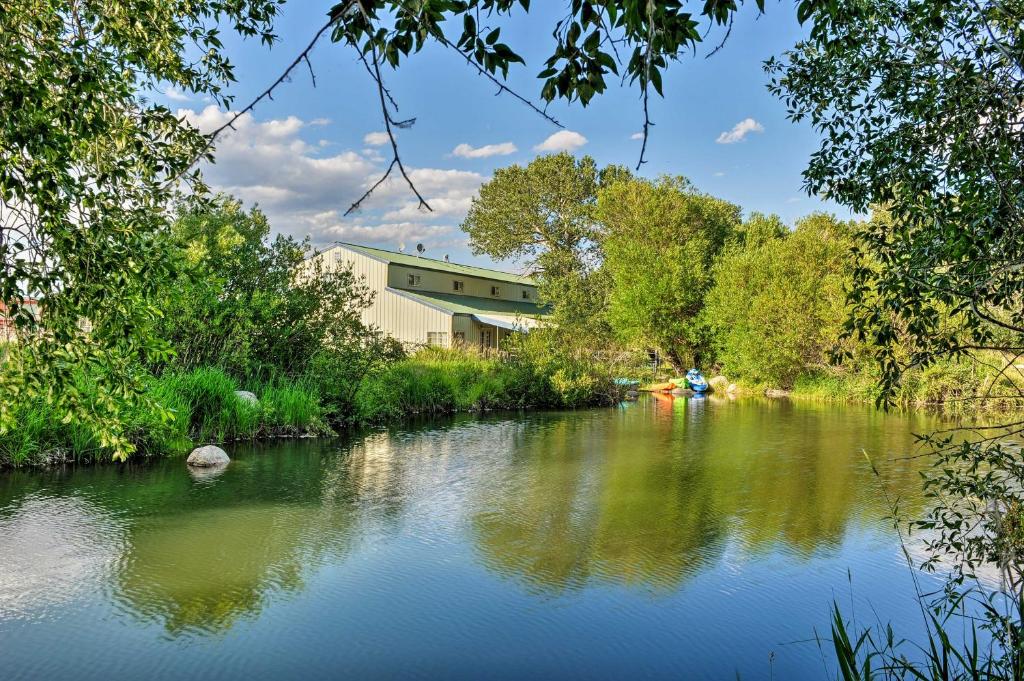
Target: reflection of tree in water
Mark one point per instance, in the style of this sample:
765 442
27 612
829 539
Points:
654 495
203 557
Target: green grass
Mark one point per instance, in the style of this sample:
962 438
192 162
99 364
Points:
444 381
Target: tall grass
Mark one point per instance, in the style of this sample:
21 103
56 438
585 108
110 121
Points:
447 380
179 410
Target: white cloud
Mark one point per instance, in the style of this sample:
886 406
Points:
720 174
305 187
636 136
376 139
466 151
740 131
793 199
563 140
175 95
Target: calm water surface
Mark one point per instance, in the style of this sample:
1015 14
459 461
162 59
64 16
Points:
665 539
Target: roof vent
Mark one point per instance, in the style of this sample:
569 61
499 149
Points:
446 257
420 249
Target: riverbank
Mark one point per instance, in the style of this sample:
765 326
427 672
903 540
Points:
181 410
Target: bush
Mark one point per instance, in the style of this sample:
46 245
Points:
443 381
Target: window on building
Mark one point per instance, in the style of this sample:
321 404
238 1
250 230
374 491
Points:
414 280
458 285
460 338
486 338
437 338
526 294
495 291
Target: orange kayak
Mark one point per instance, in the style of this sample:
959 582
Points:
658 387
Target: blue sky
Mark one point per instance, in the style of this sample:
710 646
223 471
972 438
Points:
306 155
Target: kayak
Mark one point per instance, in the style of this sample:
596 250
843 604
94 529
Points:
658 387
696 381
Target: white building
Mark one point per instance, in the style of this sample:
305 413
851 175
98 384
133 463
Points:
424 301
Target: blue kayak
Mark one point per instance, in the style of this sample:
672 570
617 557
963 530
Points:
696 381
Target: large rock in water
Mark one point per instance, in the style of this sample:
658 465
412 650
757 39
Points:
210 455
247 396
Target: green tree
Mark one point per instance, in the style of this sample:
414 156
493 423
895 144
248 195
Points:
778 302
659 244
919 109
255 305
543 215
85 166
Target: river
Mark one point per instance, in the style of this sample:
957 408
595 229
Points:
685 539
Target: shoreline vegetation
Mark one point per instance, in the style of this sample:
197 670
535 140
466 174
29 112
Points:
203 406
753 300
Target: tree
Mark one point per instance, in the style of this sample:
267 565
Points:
660 240
86 163
919 108
251 304
543 215
779 299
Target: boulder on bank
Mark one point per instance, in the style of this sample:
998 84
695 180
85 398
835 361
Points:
773 392
683 392
719 383
247 397
632 395
732 389
208 456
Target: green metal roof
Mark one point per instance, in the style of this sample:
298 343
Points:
456 304
439 265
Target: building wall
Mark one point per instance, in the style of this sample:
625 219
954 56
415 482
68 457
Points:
407 320
441 282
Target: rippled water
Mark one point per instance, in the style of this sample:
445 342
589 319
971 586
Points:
664 539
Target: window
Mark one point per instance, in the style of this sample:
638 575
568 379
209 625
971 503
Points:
460 338
437 338
526 294
486 338
414 280
458 285
495 291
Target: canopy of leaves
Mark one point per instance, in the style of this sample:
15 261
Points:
85 161
778 302
920 106
543 215
660 240
252 305
587 41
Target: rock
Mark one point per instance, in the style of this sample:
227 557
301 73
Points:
632 395
683 392
772 392
247 397
718 383
732 389
209 455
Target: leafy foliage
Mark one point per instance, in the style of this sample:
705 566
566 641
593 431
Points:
919 106
84 185
587 40
543 214
778 301
660 241
252 305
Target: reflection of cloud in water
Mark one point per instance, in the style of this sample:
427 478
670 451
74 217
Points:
52 550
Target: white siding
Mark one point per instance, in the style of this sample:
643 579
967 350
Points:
407 320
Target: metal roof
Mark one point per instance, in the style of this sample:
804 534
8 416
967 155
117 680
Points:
438 265
457 304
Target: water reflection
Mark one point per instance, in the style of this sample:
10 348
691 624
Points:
655 495
645 497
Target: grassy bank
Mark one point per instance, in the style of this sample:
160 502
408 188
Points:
955 387
181 410
184 409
